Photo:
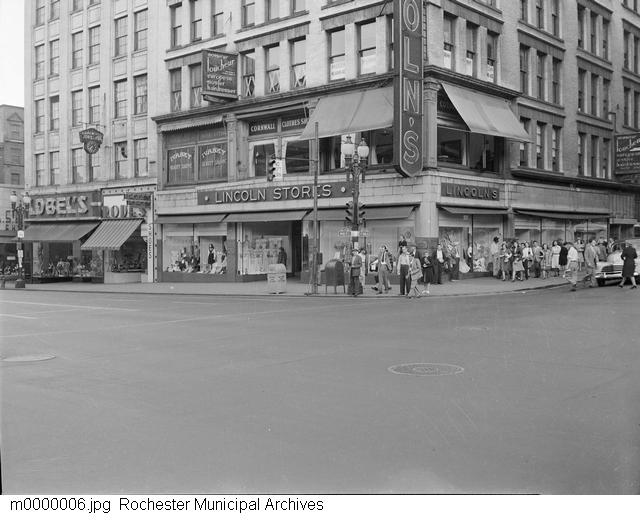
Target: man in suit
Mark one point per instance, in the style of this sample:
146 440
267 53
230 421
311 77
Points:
590 261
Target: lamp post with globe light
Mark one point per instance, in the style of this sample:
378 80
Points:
356 165
19 209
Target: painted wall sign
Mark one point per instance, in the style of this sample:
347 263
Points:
266 126
212 161
627 154
66 206
123 211
273 193
466 191
220 74
408 91
180 164
293 123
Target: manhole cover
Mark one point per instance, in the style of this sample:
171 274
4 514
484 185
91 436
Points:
426 369
27 359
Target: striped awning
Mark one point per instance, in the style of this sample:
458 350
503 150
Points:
58 232
111 234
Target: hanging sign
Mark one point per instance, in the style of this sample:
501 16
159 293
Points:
220 74
627 154
408 102
92 139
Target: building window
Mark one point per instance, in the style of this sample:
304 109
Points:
195 73
605 39
606 86
41 179
121 36
636 53
217 22
121 158
195 17
298 6
540 75
54 168
140 94
336 55
273 69
471 49
120 98
76 5
78 170
449 41
524 69
594 94
140 23
581 15
176 25
39 13
39 54
524 10
93 166
524 145
582 78
39 112
593 163
140 158
94 105
555 148
76 50
15 178
54 12
626 44
94 2
581 144
540 14
636 107
273 9
604 158
593 37
390 51
367 48
555 81
492 53
94 45
248 16
175 79
626 100
248 74
540 137
54 113
76 108
54 57
555 17
298 64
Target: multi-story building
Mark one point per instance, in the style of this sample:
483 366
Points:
520 103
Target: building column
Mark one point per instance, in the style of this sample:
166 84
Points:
430 124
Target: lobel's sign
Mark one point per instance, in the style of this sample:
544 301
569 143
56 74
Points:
408 95
66 206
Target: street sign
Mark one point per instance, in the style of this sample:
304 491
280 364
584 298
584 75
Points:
354 233
344 232
20 233
364 232
20 253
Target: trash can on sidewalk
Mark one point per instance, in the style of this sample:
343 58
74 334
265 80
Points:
334 275
277 278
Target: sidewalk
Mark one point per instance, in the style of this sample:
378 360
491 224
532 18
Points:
467 287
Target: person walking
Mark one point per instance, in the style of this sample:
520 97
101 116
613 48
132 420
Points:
505 261
439 258
555 258
427 273
537 259
590 262
494 251
355 268
527 258
580 246
415 274
545 265
572 264
385 266
629 255
403 270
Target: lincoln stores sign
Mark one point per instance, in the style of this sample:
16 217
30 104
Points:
273 193
409 59
465 191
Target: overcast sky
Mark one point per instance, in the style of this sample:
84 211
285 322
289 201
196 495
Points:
12 52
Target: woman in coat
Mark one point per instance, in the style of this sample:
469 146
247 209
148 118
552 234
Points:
563 258
415 275
555 258
428 274
505 261
546 260
628 256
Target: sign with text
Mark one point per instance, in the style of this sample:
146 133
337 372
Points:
466 191
212 161
91 139
180 165
274 193
627 154
67 206
220 74
408 95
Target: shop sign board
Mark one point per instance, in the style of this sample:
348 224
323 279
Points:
273 193
408 94
212 161
181 164
270 126
627 154
66 206
220 74
466 191
264 126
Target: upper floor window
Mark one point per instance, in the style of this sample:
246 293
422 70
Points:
627 101
93 166
336 55
78 170
120 98
605 39
39 56
121 157
593 37
195 17
175 81
626 48
636 109
76 50
581 26
367 48
140 30
248 61
541 60
555 80
298 6
54 57
41 179
555 148
541 130
54 12
555 17
472 32
273 9
524 10
595 80
606 88
176 25
636 54
298 64
540 14
94 45
273 69
140 162
140 94
39 116
195 73
39 18
524 69
76 108
217 14
77 5
94 105
54 168
582 78
121 36
524 145
449 41
492 53
248 16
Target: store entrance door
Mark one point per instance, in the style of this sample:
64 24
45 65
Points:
296 248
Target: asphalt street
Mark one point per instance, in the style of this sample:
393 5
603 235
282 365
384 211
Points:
531 392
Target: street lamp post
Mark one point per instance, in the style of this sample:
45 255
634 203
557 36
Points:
19 209
356 165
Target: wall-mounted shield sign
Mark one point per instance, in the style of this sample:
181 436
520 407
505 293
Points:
92 139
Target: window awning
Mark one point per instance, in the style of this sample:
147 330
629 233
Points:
486 114
460 210
371 213
562 215
190 219
58 232
111 234
267 216
353 112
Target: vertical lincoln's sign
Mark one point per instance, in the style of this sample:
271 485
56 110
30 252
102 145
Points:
409 49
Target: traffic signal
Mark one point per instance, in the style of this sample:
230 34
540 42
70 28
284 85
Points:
271 168
349 213
361 212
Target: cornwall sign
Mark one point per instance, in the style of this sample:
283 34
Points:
409 60
92 139
627 154
219 74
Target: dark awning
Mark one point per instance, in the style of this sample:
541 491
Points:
352 112
484 114
371 213
58 232
562 215
460 210
190 219
111 234
267 216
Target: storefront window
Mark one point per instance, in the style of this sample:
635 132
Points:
187 248
451 145
552 230
482 152
261 154
380 146
380 142
297 157
527 229
131 257
263 244
485 228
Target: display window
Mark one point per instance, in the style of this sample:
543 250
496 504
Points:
527 229
261 152
53 259
380 142
131 257
485 229
296 154
262 244
195 248
475 151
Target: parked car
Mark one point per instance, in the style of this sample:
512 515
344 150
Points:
612 269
